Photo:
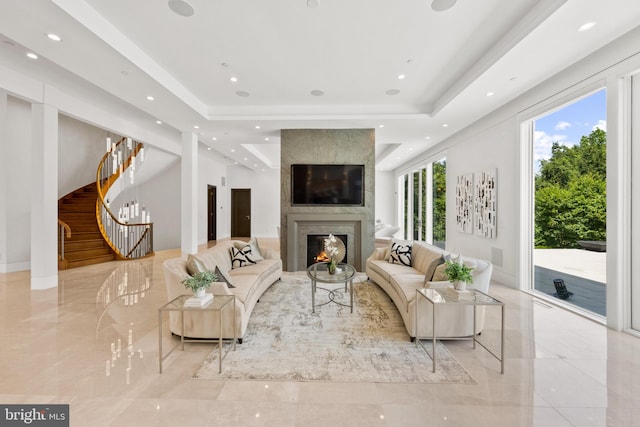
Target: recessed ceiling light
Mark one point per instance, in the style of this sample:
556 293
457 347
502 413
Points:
586 27
150 98
233 150
401 76
196 127
158 122
246 158
209 148
257 126
392 91
266 139
490 93
255 165
445 125
317 92
54 37
235 163
213 138
32 55
427 137
242 93
380 126
234 79
181 7
442 5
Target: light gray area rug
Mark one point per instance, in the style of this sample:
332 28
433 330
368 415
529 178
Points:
285 341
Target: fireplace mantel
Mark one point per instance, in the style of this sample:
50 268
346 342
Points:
301 225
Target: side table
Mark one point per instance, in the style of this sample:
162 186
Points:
216 305
438 298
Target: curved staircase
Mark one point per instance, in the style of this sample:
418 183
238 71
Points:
85 245
90 233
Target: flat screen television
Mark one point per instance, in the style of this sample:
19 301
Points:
327 185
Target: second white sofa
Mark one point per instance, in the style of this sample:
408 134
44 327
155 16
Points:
401 281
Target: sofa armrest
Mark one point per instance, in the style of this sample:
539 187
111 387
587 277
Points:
220 288
378 254
438 285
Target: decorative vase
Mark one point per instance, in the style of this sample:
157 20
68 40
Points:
331 267
460 286
199 293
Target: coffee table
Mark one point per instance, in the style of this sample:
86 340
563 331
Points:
218 303
344 274
438 298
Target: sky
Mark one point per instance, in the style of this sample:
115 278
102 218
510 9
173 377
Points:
568 124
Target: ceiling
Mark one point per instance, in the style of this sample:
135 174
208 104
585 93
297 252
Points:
305 64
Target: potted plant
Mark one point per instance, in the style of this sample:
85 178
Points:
200 282
458 274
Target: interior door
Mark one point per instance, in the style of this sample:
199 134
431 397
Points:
211 213
241 212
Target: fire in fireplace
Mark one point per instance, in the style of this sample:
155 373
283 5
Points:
315 247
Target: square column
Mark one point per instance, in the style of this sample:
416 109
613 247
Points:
4 238
44 196
189 192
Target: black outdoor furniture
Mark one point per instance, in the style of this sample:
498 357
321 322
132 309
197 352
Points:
561 289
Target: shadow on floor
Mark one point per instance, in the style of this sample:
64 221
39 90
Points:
587 294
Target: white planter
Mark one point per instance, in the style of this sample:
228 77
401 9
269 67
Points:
460 286
199 293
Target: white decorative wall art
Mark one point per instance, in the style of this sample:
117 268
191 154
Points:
485 204
464 203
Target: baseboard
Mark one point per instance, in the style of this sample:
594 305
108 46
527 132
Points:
15 266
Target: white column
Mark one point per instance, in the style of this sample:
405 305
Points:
44 197
189 191
4 159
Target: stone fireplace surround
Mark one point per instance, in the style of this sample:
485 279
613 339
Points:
326 146
301 225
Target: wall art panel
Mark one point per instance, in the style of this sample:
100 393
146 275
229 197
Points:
485 203
464 203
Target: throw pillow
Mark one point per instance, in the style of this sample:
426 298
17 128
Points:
400 254
431 269
438 274
387 255
223 277
241 257
256 254
194 265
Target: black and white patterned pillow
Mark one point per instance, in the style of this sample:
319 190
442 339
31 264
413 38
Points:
400 254
242 257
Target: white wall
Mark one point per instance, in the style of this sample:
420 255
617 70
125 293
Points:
265 197
17 167
211 169
386 197
80 148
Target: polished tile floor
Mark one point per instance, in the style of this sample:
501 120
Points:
61 346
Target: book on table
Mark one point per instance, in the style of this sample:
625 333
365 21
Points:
455 294
198 301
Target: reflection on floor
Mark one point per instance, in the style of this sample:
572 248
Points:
92 343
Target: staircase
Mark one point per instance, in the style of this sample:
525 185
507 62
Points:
86 245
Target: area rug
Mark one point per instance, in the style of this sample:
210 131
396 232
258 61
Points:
285 341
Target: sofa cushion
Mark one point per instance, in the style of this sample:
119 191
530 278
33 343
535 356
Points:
423 255
223 276
386 269
194 265
431 269
406 284
241 257
438 274
244 286
400 254
261 269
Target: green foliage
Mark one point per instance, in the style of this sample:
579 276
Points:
439 201
458 272
200 280
570 198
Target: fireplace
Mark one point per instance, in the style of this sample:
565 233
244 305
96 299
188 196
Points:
349 226
315 248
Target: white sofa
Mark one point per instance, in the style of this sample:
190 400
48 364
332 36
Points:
401 281
249 282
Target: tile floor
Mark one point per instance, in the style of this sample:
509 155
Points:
55 345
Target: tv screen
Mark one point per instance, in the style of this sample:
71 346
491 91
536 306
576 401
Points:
327 185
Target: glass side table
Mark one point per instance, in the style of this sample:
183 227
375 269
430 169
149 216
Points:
219 302
318 273
438 298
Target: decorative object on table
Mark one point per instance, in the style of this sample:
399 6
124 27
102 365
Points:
464 203
335 251
458 274
199 282
485 204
